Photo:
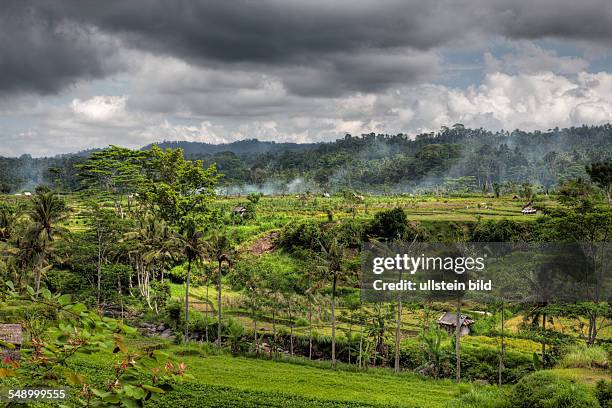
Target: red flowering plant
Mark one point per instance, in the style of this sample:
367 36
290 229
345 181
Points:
46 358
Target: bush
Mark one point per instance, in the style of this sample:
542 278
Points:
63 281
603 392
175 314
584 357
306 235
481 362
177 274
543 389
486 397
389 224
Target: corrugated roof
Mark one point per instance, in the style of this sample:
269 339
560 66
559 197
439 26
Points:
11 333
450 319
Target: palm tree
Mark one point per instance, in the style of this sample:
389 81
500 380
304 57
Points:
219 248
312 300
331 266
193 247
47 210
156 243
8 221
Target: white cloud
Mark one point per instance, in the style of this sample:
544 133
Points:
502 101
204 132
100 108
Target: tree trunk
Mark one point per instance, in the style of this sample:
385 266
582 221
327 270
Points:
255 329
99 267
310 332
350 337
38 273
273 324
120 296
503 348
360 345
206 314
290 334
398 333
592 332
187 300
543 340
219 305
333 321
458 341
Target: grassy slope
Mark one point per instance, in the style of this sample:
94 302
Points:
222 380
375 387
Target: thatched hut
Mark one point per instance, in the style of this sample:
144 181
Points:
448 322
241 211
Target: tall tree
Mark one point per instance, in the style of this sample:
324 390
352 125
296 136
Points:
601 174
220 249
104 229
331 266
192 246
46 212
177 189
114 172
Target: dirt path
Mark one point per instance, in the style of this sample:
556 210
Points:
263 244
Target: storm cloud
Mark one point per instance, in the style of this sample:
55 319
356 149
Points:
316 47
77 74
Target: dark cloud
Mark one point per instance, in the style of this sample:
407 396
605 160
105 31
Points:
586 20
316 47
40 53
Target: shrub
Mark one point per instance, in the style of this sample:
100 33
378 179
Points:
306 235
175 313
481 362
389 224
543 389
486 397
584 357
65 281
603 392
177 274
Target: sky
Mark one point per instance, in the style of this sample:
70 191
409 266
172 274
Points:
76 74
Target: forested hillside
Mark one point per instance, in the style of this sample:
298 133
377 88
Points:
455 160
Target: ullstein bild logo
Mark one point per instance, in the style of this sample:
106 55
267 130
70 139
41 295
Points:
540 272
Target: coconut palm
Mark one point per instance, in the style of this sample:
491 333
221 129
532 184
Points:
330 265
156 243
8 221
47 210
220 249
192 245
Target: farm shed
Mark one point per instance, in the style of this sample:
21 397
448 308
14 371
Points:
528 210
12 334
448 322
241 211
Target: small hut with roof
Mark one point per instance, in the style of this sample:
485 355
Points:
448 322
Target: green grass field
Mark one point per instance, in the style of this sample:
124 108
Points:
223 380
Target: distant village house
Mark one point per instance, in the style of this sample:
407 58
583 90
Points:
11 334
241 211
528 209
448 322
